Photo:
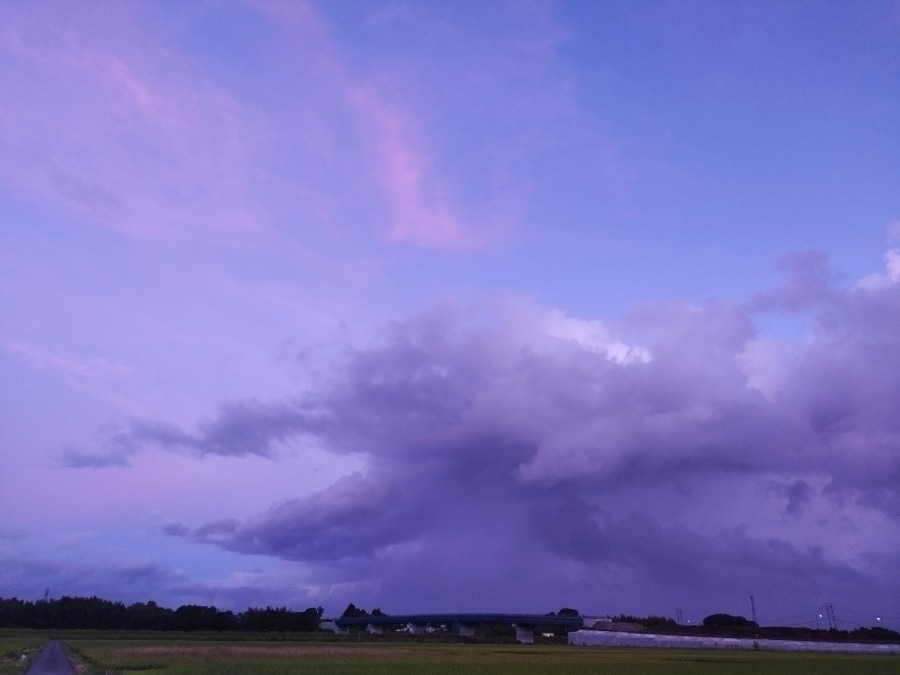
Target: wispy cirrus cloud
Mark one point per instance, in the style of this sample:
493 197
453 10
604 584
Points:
120 121
102 128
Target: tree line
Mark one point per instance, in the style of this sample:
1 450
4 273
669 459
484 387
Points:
97 613
738 626
94 612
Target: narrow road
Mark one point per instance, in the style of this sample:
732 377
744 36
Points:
52 661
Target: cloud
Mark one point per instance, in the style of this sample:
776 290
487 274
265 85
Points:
421 211
631 448
77 458
125 119
577 403
143 580
331 525
241 429
132 582
115 449
808 284
461 120
890 276
87 368
176 529
894 229
106 127
797 495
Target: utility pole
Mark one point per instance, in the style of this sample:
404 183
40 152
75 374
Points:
679 616
829 612
753 610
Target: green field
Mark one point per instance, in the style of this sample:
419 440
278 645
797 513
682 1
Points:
167 654
15 643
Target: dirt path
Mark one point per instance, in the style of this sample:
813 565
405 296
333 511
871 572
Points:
52 661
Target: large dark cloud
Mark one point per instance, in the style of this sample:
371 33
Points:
682 449
331 525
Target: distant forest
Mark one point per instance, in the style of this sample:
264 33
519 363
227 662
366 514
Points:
69 612
94 612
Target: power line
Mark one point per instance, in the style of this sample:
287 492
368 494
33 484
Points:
792 620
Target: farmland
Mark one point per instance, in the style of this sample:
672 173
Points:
133 653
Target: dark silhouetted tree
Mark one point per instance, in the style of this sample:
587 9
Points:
723 620
353 611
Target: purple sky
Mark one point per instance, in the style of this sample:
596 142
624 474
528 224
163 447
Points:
453 306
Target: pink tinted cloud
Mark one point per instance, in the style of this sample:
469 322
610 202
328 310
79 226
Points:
420 206
102 127
460 125
420 209
296 14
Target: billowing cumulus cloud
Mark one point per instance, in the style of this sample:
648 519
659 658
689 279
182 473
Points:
647 449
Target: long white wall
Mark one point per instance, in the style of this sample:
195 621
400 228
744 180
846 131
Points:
598 638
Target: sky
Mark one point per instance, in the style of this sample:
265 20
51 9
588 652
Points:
453 306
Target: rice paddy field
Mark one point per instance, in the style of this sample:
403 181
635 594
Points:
165 654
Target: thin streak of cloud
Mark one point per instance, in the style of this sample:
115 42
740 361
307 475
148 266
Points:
87 368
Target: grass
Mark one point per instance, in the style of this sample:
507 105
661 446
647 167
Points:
13 644
128 653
